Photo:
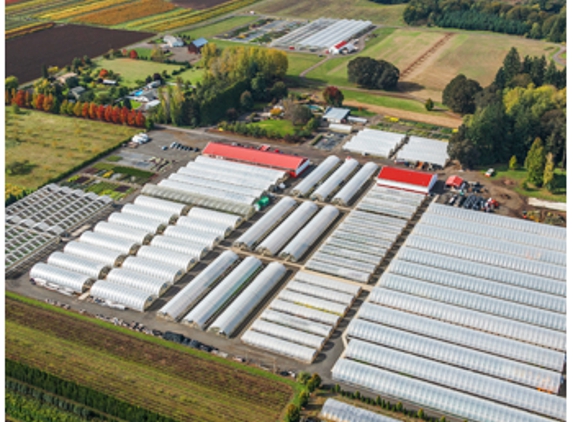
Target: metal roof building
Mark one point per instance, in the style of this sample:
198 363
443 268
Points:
410 180
374 142
336 114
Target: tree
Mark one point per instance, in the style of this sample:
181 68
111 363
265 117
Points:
429 104
421 414
333 96
108 113
465 151
298 114
373 74
15 108
278 91
303 398
314 382
85 110
247 102
11 82
133 54
302 377
549 172
513 163
292 414
76 64
459 94
72 82
535 163
139 119
337 388
511 64
78 109
39 103
103 73
45 73
93 111
157 54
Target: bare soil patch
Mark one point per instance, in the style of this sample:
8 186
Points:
198 4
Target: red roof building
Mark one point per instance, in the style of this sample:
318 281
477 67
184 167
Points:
455 181
410 180
292 164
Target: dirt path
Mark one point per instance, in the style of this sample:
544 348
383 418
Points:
314 66
556 57
425 55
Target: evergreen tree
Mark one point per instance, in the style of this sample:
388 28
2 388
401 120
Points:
535 163
246 100
429 104
549 172
551 75
513 163
45 73
511 64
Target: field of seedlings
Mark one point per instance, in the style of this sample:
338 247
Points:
126 12
138 371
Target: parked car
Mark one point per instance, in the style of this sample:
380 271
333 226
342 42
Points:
490 172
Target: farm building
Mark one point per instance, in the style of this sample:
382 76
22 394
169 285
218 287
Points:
292 164
342 47
77 92
336 114
455 181
172 41
196 46
410 180
426 150
374 142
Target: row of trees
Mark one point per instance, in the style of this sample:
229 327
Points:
373 74
535 19
539 164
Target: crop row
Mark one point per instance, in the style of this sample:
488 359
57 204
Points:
136 24
82 9
127 12
36 7
27 29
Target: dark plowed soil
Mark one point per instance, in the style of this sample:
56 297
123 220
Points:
198 4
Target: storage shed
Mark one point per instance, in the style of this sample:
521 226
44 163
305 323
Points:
410 180
336 114
455 181
196 46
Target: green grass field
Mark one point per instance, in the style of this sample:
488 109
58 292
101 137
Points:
52 144
385 101
520 175
218 28
284 127
299 62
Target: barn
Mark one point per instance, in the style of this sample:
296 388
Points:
196 46
405 179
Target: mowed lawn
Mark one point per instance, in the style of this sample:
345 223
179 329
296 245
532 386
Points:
53 144
284 127
299 62
218 28
133 70
518 176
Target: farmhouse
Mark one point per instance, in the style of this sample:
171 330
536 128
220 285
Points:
342 47
409 180
172 41
196 46
336 114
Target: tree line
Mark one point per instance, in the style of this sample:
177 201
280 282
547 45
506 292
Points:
538 19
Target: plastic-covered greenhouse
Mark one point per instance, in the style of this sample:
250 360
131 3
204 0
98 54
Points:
154 253
110 242
165 217
462 357
249 299
220 295
489 272
304 312
374 142
389 223
161 205
344 262
337 271
469 318
489 343
335 180
204 214
92 269
327 283
61 277
287 229
306 237
473 301
135 299
459 379
316 176
108 257
363 238
272 174
313 302
220 195
202 171
220 229
194 236
350 254
385 236
194 249
427 395
478 285
275 345
388 207
368 253
151 226
337 411
188 295
424 149
322 293
288 334
213 184
141 237
138 281
297 323
160 270
351 189
265 224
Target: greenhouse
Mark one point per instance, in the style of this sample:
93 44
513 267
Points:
109 242
217 186
160 270
334 180
368 252
350 190
194 236
374 142
105 256
344 262
288 334
489 272
327 283
272 174
219 297
164 217
92 269
337 271
427 395
389 207
313 302
141 237
309 234
60 277
424 150
388 222
182 261
337 411
316 176
129 297
265 224
151 285
363 239
188 295
273 243
350 254
489 343
196 250
21 243
202 171
476 320
208 192
304 312
319 292
221 230
151 226
478 285
161 205
461 357
387 235
217 217
281 347
227 323
300 324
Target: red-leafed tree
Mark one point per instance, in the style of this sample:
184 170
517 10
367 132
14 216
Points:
48 102
103 73
139 119
108 113
133 54
93 111
20 99
85 110
28 99
131 118
333 96
123 115
100 112
39 102
115 116
124 52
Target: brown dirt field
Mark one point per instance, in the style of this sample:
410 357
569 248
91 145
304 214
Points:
198 4
58 46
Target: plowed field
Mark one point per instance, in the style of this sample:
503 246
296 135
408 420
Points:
198 4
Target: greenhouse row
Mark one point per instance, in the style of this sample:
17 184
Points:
138 236
221 230
194 236
320 292
337 411
177 259
161 205
490 388
337 271
498 367
130 297
288 334
320 173
160 270
162 216
60 278
92 269
327 283
138 280
281 347
103 255
349 191
387 207
21 243
427 395
305 312
424 150
402 196
313 302
202 171
226 196
214 185
464 336
276 176
374 142
196 250
110 242
297 323
149 225
333 182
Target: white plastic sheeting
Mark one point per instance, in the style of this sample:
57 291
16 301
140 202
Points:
165 217
194 236
337 271
154 253
223 293
350 254
374 142
161 205
344 262
160 270
327 283
387 207
220 229
316 176
287 229
313 302
368 252
138 281
110 242
320 292
337 411
151 226
288 334
188 295
60 277
203 171
208 192
195 249
310 233
426 150
212 184
281 347
351 189
335 180
265 224
304 312
135 299
141 237
426 395
105 256
489 343
473 360
269 173
249 299
297 323
204 214
92 269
